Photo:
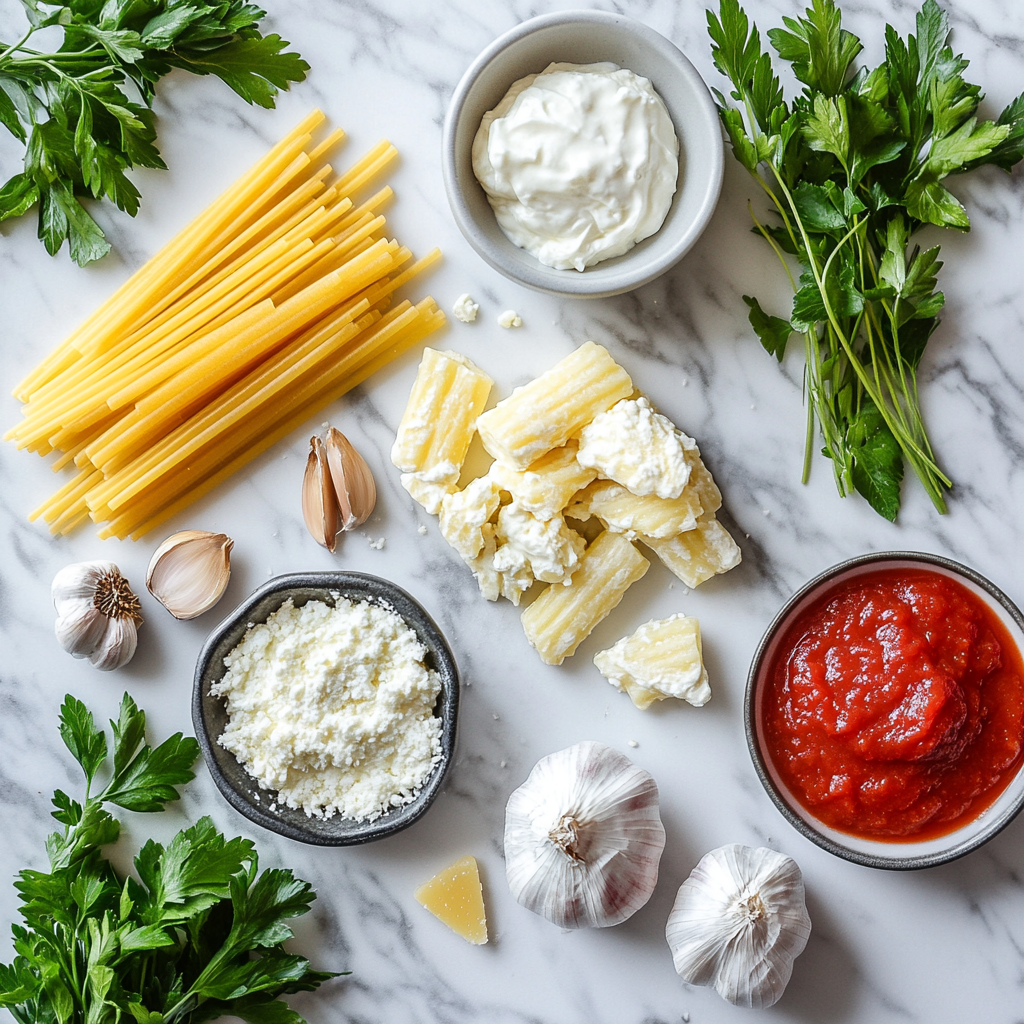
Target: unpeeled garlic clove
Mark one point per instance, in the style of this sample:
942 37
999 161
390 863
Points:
319 502
338 492
353 482
189 572
97 614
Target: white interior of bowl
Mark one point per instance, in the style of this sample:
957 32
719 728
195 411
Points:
888 853
585 37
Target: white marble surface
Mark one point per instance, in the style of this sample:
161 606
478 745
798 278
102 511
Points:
945 945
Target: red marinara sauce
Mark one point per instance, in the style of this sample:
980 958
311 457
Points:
894 706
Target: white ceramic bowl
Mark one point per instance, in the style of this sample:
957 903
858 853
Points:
875 853
586 37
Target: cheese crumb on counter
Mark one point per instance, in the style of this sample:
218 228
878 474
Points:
332 708
465 309
510 318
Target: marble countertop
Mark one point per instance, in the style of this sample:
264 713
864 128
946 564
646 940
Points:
943 945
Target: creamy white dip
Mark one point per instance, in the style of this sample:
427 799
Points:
579 163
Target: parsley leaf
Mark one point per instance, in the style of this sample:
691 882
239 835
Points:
773 331
87 744
83 110
877 465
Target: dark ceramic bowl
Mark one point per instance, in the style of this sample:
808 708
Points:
877 853
209 715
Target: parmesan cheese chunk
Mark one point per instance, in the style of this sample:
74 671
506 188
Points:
333 708
455 897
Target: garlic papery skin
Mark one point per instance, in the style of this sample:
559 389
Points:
189 572
97 614
583 838
354 486
319 502
738 923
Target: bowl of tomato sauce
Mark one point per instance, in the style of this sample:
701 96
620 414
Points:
885 710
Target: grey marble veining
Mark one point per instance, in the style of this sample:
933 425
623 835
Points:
944 946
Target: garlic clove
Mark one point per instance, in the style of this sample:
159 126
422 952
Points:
583 838
319 502
189 572
353 482
97 613
116 646
738 922
81 627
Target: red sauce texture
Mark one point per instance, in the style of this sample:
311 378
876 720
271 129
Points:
894 707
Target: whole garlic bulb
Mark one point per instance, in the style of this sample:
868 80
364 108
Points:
738 923
583 838
97 613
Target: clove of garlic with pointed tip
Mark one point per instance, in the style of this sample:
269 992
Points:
97 614
338 491
353 481
189 572
319 503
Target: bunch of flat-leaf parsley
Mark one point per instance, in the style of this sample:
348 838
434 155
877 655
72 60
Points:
72 108
853 167
195 936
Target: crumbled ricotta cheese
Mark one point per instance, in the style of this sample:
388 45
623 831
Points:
465 309
430 486
332 708
638 448
464 513
531 548
510 318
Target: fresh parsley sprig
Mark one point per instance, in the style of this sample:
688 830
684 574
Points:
197 935
74 110
853 167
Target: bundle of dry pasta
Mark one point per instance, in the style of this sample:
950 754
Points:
272 303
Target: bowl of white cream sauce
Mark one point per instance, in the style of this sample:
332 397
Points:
582 154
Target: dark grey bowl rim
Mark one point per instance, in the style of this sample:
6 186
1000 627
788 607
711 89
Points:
625 281
992 829
294 824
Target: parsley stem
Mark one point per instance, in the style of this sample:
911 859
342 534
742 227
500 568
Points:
918 458
18 45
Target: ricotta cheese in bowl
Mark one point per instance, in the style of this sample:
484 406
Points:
331 708
579 163
326 708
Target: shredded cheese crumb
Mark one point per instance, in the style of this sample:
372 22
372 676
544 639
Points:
465 309
510 318
332 708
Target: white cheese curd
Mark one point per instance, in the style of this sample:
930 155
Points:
637 448
510 318
333 708
579 163
536 549
465 309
